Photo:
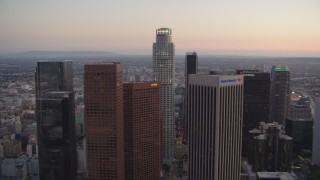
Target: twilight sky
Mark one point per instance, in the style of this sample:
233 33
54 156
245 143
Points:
225 27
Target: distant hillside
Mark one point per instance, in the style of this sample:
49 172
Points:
61 54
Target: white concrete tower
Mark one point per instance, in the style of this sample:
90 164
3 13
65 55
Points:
164 71
215 108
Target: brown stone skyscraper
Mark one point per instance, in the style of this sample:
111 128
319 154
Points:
142 130
103 98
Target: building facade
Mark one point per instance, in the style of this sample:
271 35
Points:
271 149
300 107
103 100
301 131
256 103
53 76
55 120
142 129
56 135
215 106
191 67
280 94
164 72
316 133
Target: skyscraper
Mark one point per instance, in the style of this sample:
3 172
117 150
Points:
271 149
280 94
103 100
301 131
191 67
300 107
53 76
56 120
215 126
56 135
164 71
142 130
256 102
316 133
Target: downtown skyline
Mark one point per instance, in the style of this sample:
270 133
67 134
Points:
286 28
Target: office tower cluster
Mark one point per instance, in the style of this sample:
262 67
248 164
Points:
55 120
271 149
164 71
123 124
130 127
214 118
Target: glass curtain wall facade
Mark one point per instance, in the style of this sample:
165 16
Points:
56 120
56 135
256 103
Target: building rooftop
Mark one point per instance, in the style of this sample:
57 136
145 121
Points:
281 68
191 53
300 119
275 175
261 136
164 31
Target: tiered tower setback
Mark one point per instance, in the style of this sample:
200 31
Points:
164 72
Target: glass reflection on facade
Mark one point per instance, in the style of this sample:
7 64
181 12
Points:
53 76
56 135
56 120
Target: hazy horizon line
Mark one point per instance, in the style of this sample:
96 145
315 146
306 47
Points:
234 53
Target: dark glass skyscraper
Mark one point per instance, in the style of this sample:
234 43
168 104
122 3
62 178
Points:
53 76
55 120
256 102
56 135
301 131
280 94
191 67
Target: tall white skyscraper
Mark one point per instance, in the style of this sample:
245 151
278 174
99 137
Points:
164 71
215 106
